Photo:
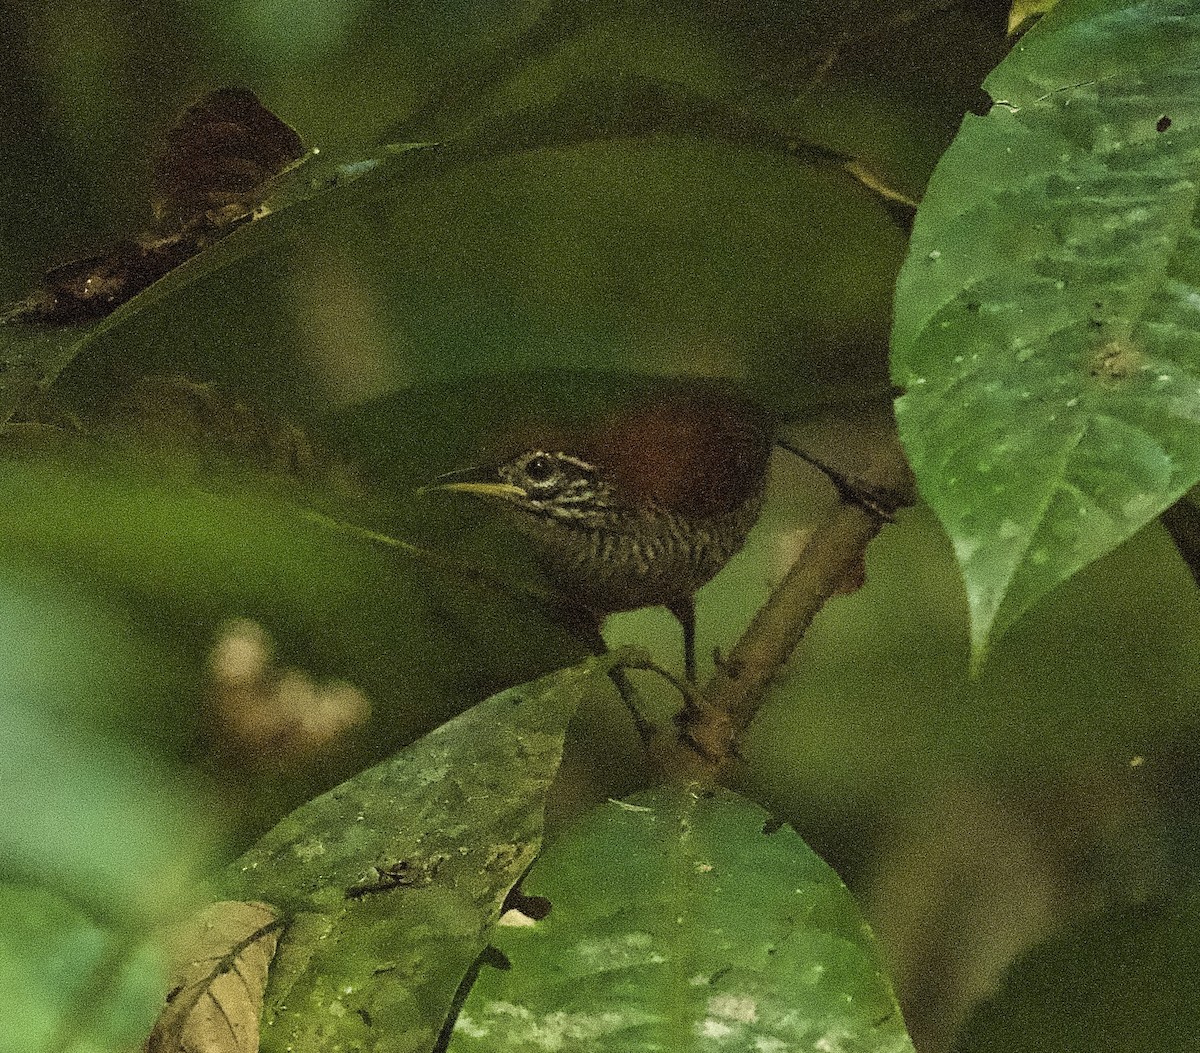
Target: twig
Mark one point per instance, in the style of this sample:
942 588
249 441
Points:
832 554
730 700
876 500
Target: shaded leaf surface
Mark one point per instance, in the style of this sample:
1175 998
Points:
511 250
545 267
802 69
678 922
1045 331
1122 980
218 975
392 878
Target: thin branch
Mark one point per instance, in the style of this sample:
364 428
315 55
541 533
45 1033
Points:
832 556
708 743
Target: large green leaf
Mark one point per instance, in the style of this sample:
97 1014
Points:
1120 980
522 238
1046 329
392 878
86 96
684 919
846 79
528 252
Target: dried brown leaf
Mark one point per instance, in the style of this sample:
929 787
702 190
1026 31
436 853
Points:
219 156
215 169
219 973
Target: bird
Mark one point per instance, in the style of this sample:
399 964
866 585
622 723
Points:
639 508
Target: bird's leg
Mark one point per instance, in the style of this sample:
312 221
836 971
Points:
629 696
684 610
693 703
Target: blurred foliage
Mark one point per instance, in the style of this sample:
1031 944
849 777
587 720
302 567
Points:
1120 980
621 195
515 250
70 982
101 840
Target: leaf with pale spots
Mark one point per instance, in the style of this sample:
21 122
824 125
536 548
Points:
390 881
681 923
1047 324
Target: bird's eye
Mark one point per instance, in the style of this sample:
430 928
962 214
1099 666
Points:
539 469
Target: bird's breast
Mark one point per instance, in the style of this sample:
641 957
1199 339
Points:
640 558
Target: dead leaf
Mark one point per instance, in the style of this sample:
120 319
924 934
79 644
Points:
218 158
214 172
95 286
219 965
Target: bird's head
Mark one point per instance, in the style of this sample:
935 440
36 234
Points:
544 483
694 456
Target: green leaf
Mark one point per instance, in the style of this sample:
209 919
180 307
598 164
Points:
1122 980
1046 329
70 984
529 254
684 919
513 81
806 70
520 241
393 878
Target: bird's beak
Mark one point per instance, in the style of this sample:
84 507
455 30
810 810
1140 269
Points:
487 489
474 481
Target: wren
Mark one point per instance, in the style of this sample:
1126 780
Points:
643 507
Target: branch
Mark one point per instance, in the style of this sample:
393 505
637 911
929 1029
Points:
704 746
829 561
723 709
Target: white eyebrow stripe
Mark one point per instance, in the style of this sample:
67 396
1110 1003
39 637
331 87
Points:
577 462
